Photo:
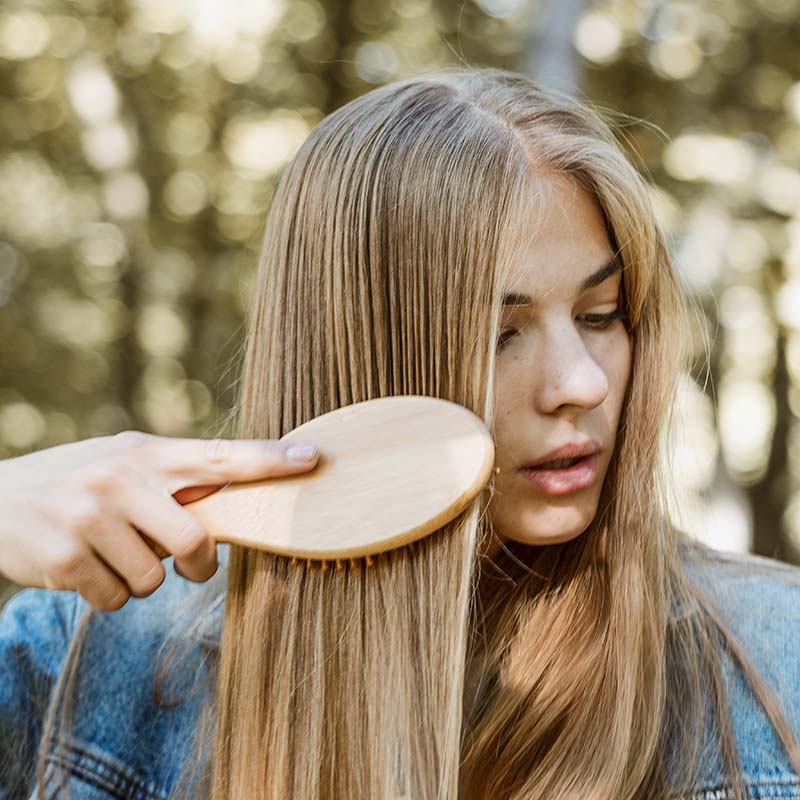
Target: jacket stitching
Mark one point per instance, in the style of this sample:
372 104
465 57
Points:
777 789
100 773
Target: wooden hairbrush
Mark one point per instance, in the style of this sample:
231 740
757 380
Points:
390 471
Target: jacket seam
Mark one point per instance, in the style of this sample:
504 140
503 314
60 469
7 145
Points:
764 789
73 617
100 773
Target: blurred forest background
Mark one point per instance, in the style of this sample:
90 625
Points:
141 143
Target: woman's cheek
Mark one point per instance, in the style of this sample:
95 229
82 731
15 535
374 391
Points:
613 354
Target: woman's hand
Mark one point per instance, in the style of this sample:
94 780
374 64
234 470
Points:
94 516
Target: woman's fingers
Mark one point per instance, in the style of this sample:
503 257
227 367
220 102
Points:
77 568
95 516
124 550
154 512
196 462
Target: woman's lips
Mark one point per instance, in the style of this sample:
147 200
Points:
563 481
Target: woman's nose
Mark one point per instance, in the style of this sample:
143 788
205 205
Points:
569 374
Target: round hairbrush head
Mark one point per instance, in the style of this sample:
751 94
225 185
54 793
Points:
390 471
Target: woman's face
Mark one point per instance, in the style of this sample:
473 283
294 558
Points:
561 374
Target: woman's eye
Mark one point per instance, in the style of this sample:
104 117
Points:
502 340
592 321
600 321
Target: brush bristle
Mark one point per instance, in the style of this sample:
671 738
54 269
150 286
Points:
369 561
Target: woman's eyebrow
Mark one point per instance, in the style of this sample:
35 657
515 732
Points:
595 279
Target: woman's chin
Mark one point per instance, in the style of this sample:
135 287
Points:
559 537
555 527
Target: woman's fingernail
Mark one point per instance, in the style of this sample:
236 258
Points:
301 452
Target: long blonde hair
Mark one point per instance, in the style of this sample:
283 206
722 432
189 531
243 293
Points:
554 672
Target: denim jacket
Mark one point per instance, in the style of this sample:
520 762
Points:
124 746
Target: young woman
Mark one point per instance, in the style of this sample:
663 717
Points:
465 235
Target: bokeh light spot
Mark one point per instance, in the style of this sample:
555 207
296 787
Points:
747 248
23 34
161 331
92 91
187 133
502 9
186 193
375 62
239 63
126 196
304 21
109 146
779 188
261 147
745 447
792 101
709 157
597 37
21 425
676 57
